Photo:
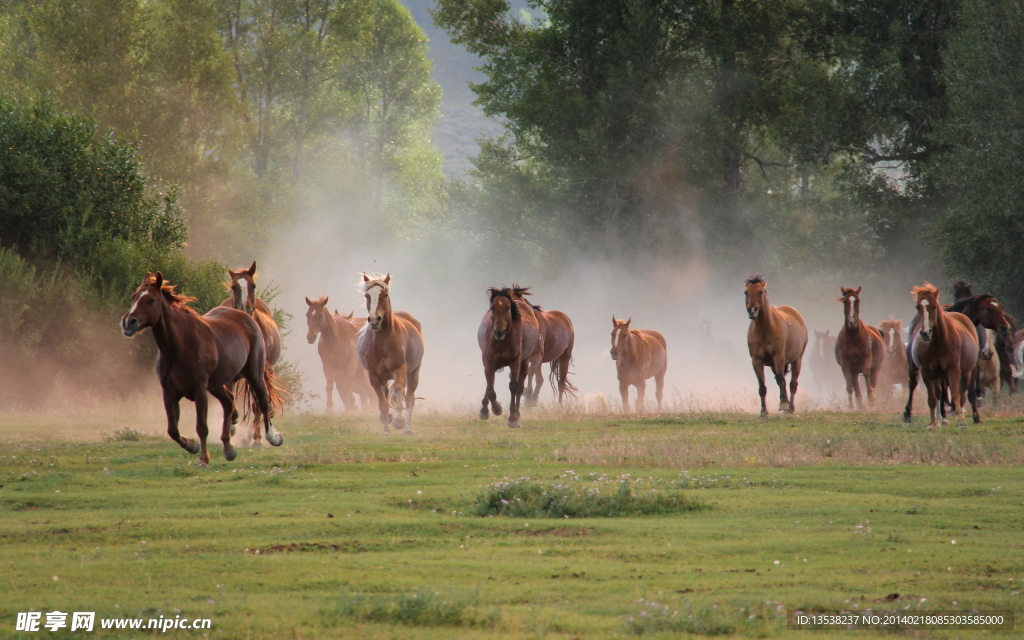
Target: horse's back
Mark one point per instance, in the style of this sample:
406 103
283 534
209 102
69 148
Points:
413 339
557 329
405 315
969 343
796 332
238 339
658 349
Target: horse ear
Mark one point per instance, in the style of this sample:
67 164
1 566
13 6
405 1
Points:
859 290
628 321
323 301
387 278
252 268
232 272
159 280
366 278
308 302
349 315
613 319
826 332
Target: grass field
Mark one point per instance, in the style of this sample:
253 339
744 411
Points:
722 524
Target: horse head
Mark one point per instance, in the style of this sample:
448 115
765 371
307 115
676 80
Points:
821 343
149 302
243 288
962 289
504 310
891 330
991 315
620 337
315 316
928 310
851 305
755 294
378 305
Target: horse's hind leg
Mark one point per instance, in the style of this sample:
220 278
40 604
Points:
794 376
659 387
227 403
380 387
173 410
411 383
780 379
912 374
489 396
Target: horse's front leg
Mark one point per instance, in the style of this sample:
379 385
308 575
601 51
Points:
762 388
516 378
934 397
227 403
380 387
202 401
912 375
489 395
624 393
330 390
398 391
173 410
779 369
641 392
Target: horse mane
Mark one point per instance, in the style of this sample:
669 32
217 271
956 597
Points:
754 278
892 323
967 306
925 289
374 279
962 289
509 293
176 299
536 307
520 292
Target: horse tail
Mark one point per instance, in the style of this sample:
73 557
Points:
557 375
251 402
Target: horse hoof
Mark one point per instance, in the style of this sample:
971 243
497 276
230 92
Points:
256 443
513 424
230 454
408 432
496 409
399 423
764 415
484 414
386 432
193 446
277 440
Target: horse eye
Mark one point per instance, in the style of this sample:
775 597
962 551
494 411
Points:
152 301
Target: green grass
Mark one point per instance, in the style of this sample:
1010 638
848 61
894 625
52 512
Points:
346 533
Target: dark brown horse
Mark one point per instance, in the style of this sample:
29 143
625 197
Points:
859 348
944 349
200 355
777 338
894 369
639 354
338 354
242 285
828 377
508 337
391 350
555 333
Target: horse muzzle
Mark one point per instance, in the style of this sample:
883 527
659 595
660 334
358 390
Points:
311 338
499 334
129 326
752 312
925 335
615 354
374 324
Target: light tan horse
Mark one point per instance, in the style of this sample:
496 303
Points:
989 366
777 338
944 349
337 349
391 350
894 369
859 348
242 285
639 354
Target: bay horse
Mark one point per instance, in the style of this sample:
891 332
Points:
777 338
339 356
827 376
200 355
391 350
894 369
242 286
639 354
943 347
859 348
556 336
508 337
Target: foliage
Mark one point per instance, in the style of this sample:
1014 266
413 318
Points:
423 607
759 619
581 497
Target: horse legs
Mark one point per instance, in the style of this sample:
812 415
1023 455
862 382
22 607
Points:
624 392
258 386
330 390
851 381
516 379
489 396
411 382
762 388
659 387
794 375
780 379
641 390
973 397
380 387
202 401
854 381
933 399
227 402
912 373
173 410
533 373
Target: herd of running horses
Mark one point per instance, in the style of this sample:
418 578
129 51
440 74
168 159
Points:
230 352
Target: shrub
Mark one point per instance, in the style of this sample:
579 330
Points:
421 608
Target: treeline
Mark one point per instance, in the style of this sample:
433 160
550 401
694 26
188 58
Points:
803 135
141 135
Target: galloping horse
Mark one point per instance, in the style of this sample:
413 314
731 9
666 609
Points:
859 348
508 337
390 349
639 354
776 338
201 354
1004 347
556 336
243 298
337 349
989 366
945 350
827 376
894 369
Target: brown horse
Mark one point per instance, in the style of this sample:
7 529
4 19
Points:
894 369
391 350
859 348
944 349
555 333
242 286
200 355
508 337
827 376
777 338
338 355
639 354
989 365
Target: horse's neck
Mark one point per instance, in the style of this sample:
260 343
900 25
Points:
170 333
635 346
769 318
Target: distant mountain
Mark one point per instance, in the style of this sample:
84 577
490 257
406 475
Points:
461 121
